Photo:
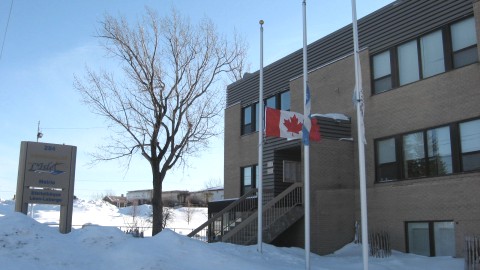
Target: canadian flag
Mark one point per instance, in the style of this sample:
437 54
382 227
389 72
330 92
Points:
286 124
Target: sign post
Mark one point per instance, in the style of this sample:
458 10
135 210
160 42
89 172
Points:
46 175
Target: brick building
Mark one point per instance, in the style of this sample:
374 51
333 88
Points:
421 84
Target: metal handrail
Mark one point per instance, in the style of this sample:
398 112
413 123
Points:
272 211
225 210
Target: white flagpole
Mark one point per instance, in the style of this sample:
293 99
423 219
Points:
260 148
306 147
360 139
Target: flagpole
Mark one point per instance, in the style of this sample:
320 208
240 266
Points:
360 139
306 147
260 148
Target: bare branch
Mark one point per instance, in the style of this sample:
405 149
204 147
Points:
166 103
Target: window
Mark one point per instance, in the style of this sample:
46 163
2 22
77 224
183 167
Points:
250 113
248 178
433 61
450 47
386 160
292 171
249 119
408 62
414 155
429 152
439 151
464 43
382 74
470 145
271 102
434 238
438 160
285 101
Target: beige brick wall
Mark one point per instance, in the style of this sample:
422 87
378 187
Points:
239 151
332 163
435 101
442 99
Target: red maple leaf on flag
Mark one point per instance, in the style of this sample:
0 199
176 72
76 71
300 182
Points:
293 125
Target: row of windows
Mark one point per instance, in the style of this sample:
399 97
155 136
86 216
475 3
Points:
437 151
280 101
445 49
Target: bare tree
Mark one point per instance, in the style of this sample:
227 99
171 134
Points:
167 216
213 183
166 107
188 211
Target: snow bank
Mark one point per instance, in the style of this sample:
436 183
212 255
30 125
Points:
27 244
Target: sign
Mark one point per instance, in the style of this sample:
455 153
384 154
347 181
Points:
46 174
45 196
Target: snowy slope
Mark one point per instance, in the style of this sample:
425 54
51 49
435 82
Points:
27 244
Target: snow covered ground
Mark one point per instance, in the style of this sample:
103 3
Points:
27 243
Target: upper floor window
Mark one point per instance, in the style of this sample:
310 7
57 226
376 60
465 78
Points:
387 167
271 102
434 53
429 152
285 101
408 62
249 118
431 47
382 74
470 145
464 43
250 113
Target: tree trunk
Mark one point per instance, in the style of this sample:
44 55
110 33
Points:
157 203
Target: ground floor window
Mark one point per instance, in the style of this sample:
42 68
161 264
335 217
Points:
249 178
431 238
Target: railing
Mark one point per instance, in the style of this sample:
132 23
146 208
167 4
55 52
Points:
227 219
472 253
246 232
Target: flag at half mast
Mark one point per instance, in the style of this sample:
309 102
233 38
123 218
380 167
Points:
290 125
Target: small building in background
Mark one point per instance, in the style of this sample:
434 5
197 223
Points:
176 198
118 201
139 197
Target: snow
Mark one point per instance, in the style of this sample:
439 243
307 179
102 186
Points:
27 243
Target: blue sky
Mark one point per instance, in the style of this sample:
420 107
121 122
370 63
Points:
48 42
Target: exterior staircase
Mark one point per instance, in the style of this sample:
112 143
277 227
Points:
238 222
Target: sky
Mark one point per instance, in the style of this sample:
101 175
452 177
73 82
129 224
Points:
32 244
46 43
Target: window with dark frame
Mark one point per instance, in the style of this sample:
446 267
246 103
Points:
430 238
285 101
279 101
448 48
387 168
429 152
249 119
470 145
382 72
271 102
464 43
249 177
